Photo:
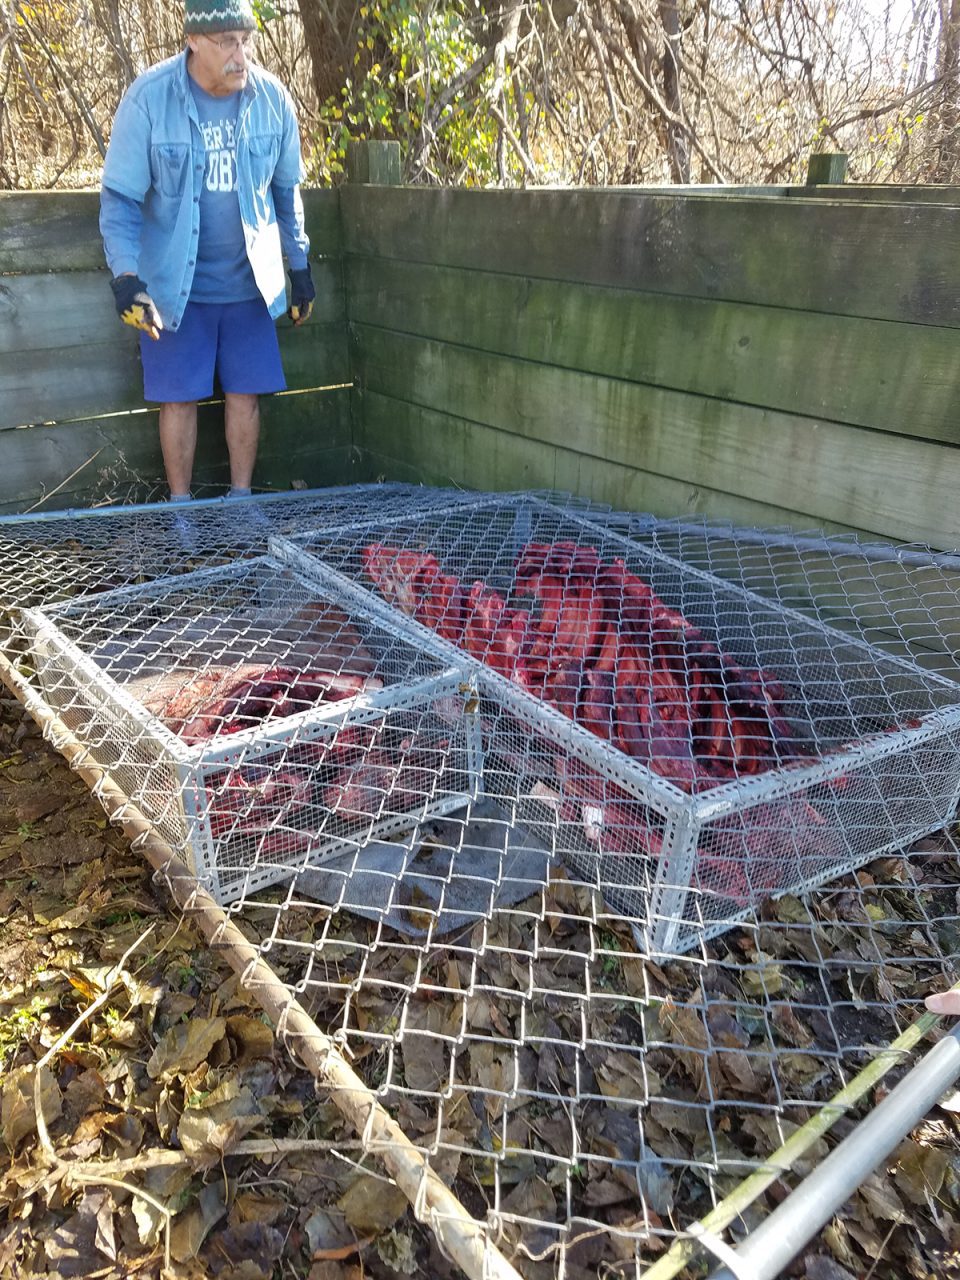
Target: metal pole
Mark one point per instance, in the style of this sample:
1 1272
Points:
778 1240
203 504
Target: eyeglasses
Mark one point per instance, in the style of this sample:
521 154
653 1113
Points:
230 44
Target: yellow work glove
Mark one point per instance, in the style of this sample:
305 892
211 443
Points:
135 306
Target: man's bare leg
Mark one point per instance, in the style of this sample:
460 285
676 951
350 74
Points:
178 442
242 419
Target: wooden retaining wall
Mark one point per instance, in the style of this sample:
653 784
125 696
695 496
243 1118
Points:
770 360
73 426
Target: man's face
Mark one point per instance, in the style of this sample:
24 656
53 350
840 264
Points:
219 63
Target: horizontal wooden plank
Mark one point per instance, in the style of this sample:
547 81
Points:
879 194
713 190
865 192
46 386
53 311
96 377
314 355
906 609
866 372
909 612
82 462
404 441
883 483
59 231
49 231
887 262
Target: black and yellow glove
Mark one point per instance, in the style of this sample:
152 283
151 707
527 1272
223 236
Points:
135 306
302 294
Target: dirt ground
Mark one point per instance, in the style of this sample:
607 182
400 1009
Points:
167 1104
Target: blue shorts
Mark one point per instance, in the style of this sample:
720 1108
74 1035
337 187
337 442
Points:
235 340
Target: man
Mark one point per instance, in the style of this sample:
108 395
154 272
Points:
200 198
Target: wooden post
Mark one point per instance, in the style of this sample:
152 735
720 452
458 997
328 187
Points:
827 168
375 163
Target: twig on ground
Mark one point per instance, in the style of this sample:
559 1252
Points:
88 1172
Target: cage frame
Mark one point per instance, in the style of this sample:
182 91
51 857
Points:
662 924
190 765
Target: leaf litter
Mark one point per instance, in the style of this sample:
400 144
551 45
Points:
218 1156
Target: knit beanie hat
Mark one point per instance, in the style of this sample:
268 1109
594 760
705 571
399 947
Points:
204 16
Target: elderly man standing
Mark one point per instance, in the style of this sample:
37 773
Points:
200 199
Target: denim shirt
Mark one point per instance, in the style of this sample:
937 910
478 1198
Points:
157 158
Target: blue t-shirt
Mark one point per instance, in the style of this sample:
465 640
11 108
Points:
223 272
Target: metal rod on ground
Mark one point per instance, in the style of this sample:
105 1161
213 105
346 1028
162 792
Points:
459 1235
197 504
768 1249
684 1249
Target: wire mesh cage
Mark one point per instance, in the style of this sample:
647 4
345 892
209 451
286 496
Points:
260 725
705 747
494 969
59 555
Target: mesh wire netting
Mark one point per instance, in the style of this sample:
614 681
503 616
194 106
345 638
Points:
524 798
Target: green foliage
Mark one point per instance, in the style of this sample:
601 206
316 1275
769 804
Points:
264 12
404 54
23 1022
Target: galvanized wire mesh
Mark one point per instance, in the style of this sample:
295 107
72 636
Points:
731 747
513 910
54 556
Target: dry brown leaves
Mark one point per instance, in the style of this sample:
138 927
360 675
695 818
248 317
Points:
634 1110
176 1086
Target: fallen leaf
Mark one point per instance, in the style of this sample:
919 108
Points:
920 1171
835 1238
228 1089
398 1252
329 1235
252 1038
104 1239
149 1219
325 1270
125 1133
790 910
685 1026
532 1200
245 1252
372 1205
75 1246
192 1227
83 1094
820 1267
214 1130
625 1075
37 805
765 980
18 1116
257 1206
185 1046
426 1056
126 1032
600 1193
790 1028
881 1200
